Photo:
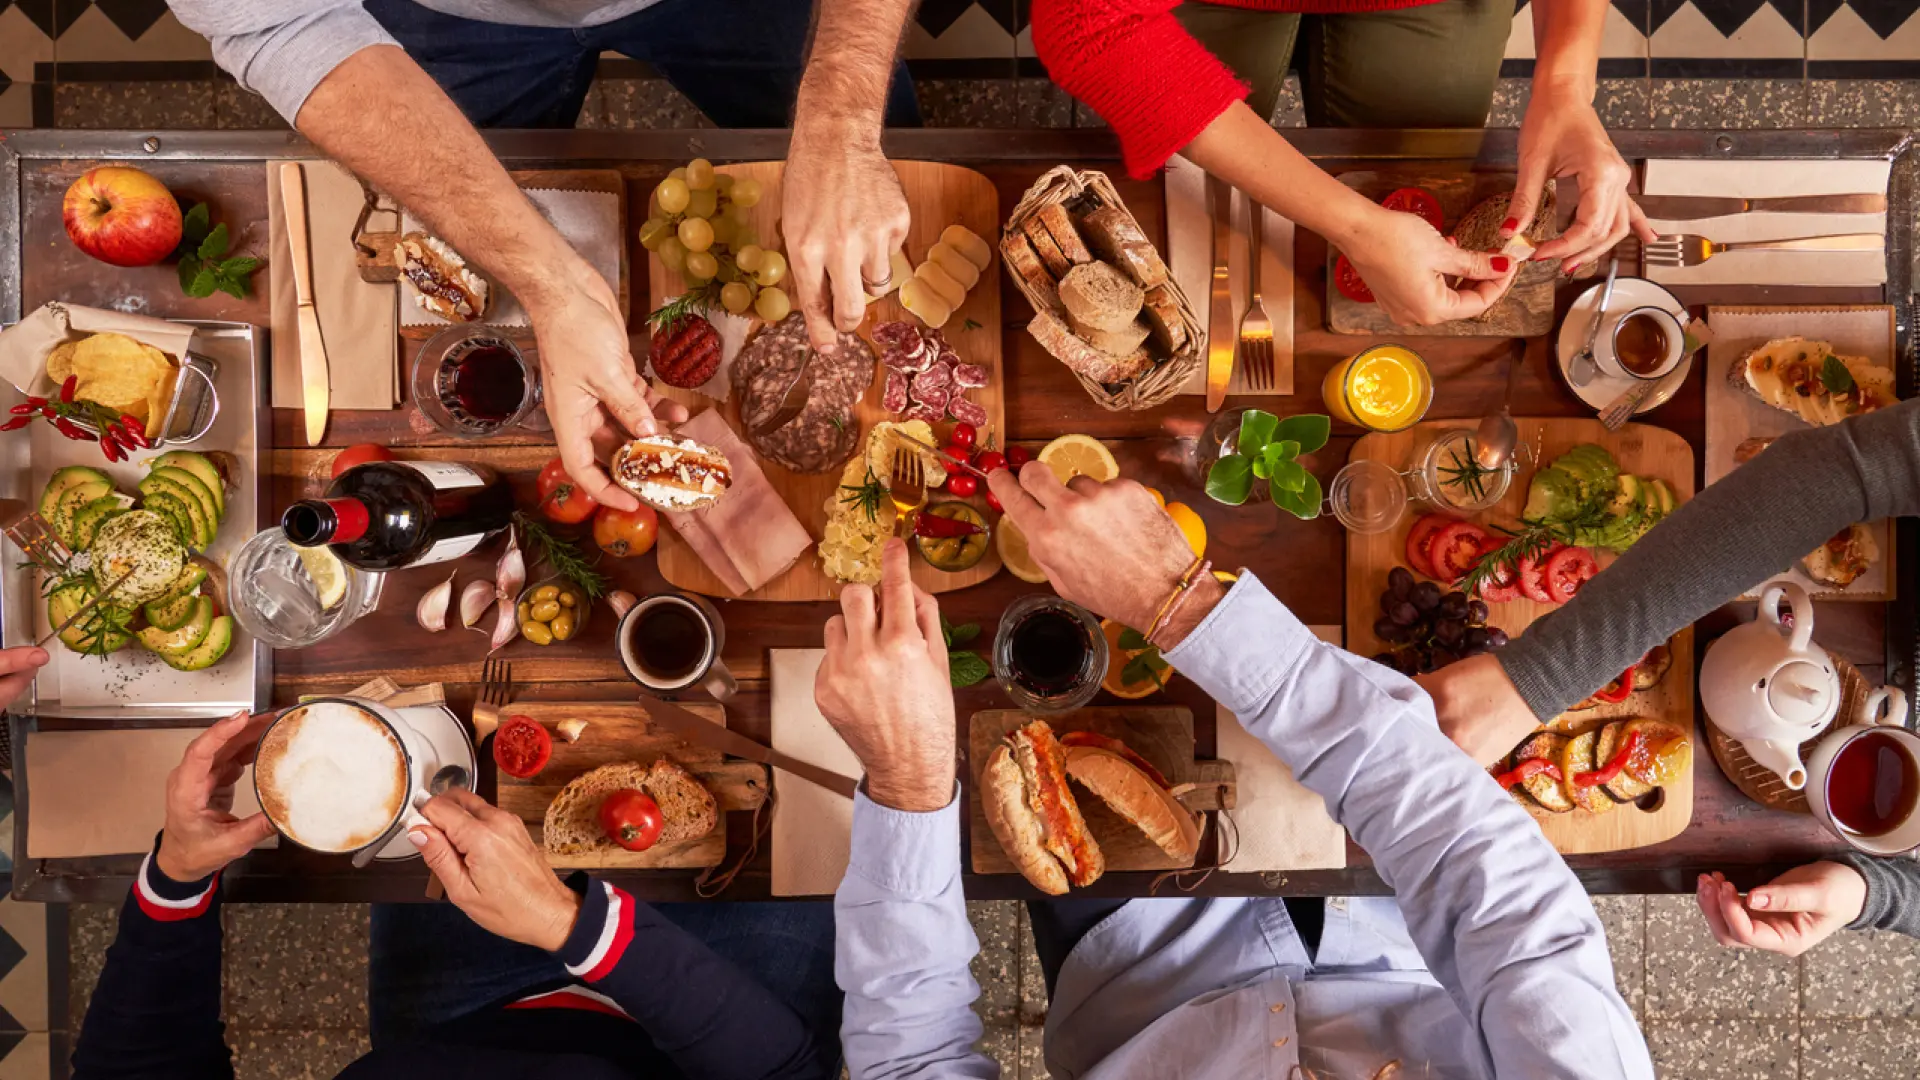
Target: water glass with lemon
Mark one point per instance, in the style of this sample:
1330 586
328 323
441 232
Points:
291 597
1384 388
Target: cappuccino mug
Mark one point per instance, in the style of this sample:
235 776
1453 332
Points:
337 774
1863 779
670 642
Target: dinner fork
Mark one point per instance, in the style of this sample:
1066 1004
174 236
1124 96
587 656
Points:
496 681
1256 330
908 486
1688 249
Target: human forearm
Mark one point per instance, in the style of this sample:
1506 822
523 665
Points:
1743 529
1249 154
1893 893
1566 35
844 89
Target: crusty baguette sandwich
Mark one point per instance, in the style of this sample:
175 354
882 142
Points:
446 286
1135 790
1808 379
1033 815
572 824
671 473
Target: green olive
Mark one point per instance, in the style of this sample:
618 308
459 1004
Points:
563 626
545 592
567 599
524 611
545 610
537 632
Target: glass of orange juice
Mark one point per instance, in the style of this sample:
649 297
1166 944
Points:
1383 388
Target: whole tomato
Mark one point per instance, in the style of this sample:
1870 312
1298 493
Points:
963 438
631 819
560 498
359 454
623 533
1017 457
962 484
989 460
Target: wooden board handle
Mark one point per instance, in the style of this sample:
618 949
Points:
1213 787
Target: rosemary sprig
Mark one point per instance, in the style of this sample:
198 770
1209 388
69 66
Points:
865 495
695 301
563 556
1530 541
1466 474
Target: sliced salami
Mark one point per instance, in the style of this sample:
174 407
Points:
923 412
938 377
896 335
968 376
915 359
967 411
894 398
936 398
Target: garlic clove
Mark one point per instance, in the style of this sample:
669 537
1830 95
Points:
510 576
570 728
621 601
506 627
431 612
475 599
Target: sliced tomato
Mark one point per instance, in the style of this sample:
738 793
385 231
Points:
1455 549
1417 201
1532 579
1500 586
521 747
1418 539
1349 282
1568 570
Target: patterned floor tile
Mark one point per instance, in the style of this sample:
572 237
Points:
1860 1050
1625 920
141 105
261 1053
29 1058
997 924
1739 1048
90 929
981 103
1691 975
1856 976
1722 38
1728 103
23 965
235 109
297 966
644 104
1863 102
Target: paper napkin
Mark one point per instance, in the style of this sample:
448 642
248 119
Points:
356 315
1190 261
104 792
812 827
1769 179
1283 826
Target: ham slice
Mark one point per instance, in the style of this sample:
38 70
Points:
750 536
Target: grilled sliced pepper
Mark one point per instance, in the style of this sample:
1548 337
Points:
1527 770
1616 691
1605 773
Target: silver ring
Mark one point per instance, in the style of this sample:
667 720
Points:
877 286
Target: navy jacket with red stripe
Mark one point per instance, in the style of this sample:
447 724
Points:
644 999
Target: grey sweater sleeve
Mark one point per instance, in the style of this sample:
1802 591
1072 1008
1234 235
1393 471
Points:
281 49
1740 531
1893 893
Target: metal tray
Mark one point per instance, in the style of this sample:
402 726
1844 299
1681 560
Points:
224 407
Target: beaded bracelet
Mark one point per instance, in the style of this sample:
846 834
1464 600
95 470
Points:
1171 604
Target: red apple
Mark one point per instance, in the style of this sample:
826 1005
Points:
122 216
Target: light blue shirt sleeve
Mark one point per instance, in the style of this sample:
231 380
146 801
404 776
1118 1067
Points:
902 948
281 49
1501 921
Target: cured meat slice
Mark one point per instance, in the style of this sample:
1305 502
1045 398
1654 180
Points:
824 434
892 336
969 376
919 411
894 398
936 398
913 359
937 377
967 411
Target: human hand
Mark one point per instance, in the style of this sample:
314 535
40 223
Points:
1407 264
1788 915
1561 135
201 834
1478 707
843 214
884 687
17 668
589 378
491 869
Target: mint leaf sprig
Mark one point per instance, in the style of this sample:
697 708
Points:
963 668
204 264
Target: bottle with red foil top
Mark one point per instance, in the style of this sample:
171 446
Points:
386 515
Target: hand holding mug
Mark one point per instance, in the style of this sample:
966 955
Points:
493 871
1788 915
201 834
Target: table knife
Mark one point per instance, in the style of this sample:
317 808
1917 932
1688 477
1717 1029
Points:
1221 334
1692 207
716 736
315 381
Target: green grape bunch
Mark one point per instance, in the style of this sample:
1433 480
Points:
699 223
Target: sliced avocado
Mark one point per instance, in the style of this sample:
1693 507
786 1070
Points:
190 579
1626 497
1554 493
208 653
193 485
202 469
1595 461
196 514
63 479
88 519
83 636
1668 500
172 614
170 508
185 637
77 496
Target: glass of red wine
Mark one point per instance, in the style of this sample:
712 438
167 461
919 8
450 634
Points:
474 381
1049 655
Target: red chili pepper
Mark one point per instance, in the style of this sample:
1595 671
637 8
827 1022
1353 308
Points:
111 449
67 388
1616 691
48 411
993 502
25 408
1526 770
132 435
36 402
16 423
935 527
70 429
132 422
1606 773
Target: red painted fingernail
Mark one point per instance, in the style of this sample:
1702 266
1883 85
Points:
1500 264
1510 224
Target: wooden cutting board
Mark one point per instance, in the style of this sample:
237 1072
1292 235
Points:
1647 451
1526 310
1163 735
620 731
939 195
1733 415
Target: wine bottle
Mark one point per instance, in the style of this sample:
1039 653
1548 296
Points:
385 515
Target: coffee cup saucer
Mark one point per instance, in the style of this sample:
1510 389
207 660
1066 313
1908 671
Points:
452 746
1603 389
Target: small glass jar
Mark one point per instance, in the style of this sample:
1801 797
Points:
955 554
552 611
1049 654
1367 496
1446 477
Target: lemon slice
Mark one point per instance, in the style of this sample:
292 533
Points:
1012 545
1079 455
328 574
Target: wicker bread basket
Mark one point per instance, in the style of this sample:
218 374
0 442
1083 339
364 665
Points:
1082 193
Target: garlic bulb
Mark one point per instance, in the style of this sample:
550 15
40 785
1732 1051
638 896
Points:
431 612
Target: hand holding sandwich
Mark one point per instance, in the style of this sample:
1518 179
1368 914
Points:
884 687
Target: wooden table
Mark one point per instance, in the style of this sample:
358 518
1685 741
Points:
1298 560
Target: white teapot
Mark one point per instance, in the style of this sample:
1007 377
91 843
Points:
1772 688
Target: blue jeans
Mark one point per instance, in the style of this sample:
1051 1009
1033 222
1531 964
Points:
738 60
430 964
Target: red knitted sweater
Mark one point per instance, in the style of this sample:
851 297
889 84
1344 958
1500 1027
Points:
1134 64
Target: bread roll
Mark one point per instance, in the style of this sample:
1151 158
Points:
1162 312
1134 796
1113 342
1053 218
1003 798
670 473
1100 296
1024 264
1050 254
1114 236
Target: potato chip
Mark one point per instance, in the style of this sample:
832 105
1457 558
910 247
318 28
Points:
154 409
60 362
117 371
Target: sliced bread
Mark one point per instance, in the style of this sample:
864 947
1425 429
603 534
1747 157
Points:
1162 313
1114 236
1059 340
1113 342
1051 256
572 825
1098 295
1024 263
1053 218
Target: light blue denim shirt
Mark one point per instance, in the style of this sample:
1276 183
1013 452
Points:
1489 962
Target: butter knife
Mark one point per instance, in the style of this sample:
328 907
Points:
1692 207
716 736
315 381
1221 335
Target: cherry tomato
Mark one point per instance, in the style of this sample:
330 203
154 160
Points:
1419 202
963 438
1501 586
560 498
1350 283
1568 570
631 819
1455 549
962 484
522 747
1017 457
989 460
359 454
1419 538
625 533
993 502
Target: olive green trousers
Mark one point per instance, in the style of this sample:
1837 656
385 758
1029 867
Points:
1419 67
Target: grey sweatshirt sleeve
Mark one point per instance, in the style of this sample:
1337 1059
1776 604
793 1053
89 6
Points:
1740 531
1893 893
281 49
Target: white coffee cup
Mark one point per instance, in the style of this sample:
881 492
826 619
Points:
336 774
1608 358
1902 837
694 651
